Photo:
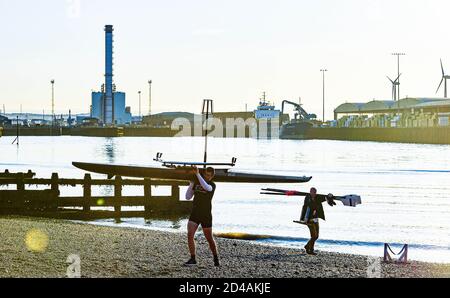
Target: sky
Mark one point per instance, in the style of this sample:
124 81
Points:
229 51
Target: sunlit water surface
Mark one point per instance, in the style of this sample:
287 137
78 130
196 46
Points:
405 187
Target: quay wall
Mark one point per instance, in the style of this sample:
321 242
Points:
93 131
32 131
425 135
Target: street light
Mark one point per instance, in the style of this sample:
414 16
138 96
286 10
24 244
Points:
150 97
398 72
139 92
323 91
53 100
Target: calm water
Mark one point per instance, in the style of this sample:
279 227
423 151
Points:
405 187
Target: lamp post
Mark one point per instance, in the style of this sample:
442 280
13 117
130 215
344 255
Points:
149 97
323 92
53 100
139 92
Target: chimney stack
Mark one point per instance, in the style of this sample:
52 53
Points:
108 95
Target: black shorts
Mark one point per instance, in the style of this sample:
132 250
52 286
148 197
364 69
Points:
204 221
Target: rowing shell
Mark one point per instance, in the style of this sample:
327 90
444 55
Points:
185 173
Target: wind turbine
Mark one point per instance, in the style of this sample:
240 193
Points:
444 78
394 86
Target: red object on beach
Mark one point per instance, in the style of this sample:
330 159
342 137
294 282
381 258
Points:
291 193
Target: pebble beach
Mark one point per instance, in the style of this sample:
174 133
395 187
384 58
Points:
35 247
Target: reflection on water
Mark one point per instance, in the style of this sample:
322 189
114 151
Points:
405 187
109 153
109 149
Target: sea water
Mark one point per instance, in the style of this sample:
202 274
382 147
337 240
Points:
405 188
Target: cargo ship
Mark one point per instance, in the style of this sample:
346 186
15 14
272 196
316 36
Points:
267 118
266 110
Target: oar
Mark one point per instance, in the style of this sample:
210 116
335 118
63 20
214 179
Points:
348 200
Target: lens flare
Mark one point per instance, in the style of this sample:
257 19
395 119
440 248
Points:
100 202
36 240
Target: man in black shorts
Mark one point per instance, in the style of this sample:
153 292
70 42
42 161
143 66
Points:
203 191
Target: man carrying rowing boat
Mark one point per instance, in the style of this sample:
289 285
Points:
311 212
203 191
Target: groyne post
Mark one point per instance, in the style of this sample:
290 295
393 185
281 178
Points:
175 193
147 194
20 182
87 194
117 194
54 186
54 183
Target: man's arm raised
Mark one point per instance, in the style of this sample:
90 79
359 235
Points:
203 183
190 191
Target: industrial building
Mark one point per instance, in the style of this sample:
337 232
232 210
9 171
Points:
164 120
121 113
407 112
108 105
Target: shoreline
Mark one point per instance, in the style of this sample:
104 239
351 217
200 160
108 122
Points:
265 240
129 252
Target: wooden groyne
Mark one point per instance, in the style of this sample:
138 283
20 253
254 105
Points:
49 203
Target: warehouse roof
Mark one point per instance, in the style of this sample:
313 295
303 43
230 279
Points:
440 103
378 106
349 106
173 115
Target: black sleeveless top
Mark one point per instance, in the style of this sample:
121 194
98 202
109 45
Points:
203 200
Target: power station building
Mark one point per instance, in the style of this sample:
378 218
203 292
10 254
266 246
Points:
108 105
121 112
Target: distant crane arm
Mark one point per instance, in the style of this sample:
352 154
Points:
301 112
